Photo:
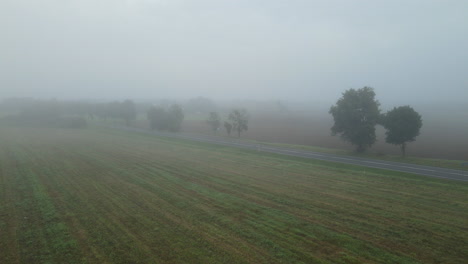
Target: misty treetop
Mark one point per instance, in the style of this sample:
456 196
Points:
355 116
403 125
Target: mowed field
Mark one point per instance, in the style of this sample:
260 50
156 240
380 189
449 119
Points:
103 196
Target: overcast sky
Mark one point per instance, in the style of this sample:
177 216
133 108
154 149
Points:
262 49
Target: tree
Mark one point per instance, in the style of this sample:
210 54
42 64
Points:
402 125
175 116
355 115
239 119
214 121
161 119
125 110
228 127
157 118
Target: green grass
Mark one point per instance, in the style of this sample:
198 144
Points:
104 196
442 163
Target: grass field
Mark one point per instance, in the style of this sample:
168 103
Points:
103 196
442 163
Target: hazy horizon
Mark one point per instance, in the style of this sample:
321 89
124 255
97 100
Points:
410 52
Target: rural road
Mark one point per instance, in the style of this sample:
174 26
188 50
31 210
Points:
436 172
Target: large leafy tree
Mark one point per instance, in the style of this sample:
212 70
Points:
239 120
402 125
355 114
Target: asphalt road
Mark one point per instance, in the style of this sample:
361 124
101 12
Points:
429 171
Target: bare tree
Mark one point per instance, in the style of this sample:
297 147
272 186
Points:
239 119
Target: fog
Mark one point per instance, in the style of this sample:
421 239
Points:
409 51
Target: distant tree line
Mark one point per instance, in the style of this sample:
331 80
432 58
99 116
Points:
65 113
357 113
76 113
44 113
125 110
355 116
169 119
